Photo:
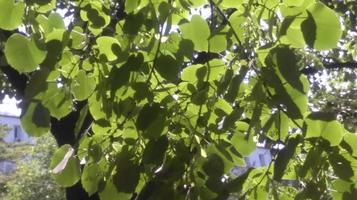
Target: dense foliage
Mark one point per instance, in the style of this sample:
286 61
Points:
31 178
154 99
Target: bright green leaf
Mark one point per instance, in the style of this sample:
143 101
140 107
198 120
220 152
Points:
243 143
83 85
199 38
65 167
108 47
320 21
23 54
35 119
11 14
90 178
331 130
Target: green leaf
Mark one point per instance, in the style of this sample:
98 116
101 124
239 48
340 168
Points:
351 140
284 156
43 6
96 14
236 185
340 165
55 21
151 120
199 39
238 21
127 174
213 70
110 192
90 178
57 101
82 116
78 38
108 47
96 106
218 43
291 32
131 5
311 161
65 166
197 3
155 151
193 73
168 67
318 126
83 85
35 119
320 21
243 143
294 100
23 54
11 14
287 66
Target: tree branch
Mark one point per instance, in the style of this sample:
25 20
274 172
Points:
337 65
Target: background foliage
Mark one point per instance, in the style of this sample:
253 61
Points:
31 180
154 99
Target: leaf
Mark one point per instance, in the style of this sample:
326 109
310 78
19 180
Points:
351 140
155 151
133 23
151 120
23 54
83 85
284 156
199 39
213 70
292 35
218 43
96 14
35 119
108 47
238 21
43 6
321 20
56 100
341 166
83 114
131 5
318 126
311 161
110 192
55 21
78 38
11 14
243 143
66 165
236 185
287 64
61 165
193 73
90 178
294 100
168 67
127 174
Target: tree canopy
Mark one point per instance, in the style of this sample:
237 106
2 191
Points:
160 99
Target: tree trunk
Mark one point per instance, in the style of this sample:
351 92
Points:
63 131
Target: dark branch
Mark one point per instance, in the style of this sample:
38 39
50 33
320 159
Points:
345 65
17 80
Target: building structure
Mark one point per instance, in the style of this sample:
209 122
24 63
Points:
15 133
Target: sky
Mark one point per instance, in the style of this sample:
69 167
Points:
8 106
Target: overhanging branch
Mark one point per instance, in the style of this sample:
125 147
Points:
337 65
